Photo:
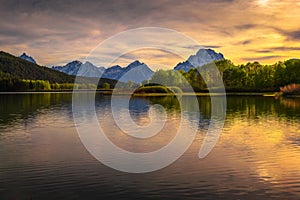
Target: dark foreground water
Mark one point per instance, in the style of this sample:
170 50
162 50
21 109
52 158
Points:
42 157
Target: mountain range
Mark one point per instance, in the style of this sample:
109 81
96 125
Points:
135 71
76 67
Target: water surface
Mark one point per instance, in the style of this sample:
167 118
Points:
257 156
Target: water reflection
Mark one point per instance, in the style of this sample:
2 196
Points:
14 107
257 156
291 103
24 106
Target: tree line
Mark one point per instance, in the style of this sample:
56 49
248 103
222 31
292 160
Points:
9 82
246 77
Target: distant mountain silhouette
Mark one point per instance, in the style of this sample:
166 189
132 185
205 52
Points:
28 58
202 57
135 71
80 69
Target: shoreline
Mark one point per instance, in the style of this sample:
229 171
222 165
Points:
121 93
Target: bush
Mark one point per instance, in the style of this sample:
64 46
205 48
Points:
156 89
290 89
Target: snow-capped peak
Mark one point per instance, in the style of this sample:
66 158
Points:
202 57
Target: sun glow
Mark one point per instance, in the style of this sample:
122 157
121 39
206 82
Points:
263 2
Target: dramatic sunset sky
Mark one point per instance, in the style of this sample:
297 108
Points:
55 32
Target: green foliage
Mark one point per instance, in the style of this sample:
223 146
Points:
35 85
71 86
153 89
194 78
250 77
169 78
106 86
292 70
16 84
234 77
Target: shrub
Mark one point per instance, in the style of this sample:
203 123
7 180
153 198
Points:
153 89
290 89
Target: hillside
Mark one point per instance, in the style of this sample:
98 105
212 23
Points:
26 70
15 67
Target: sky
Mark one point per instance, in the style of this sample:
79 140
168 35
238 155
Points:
56 32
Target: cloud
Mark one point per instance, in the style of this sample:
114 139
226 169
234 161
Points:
259 58
262 51
273 49
286 48
245 26
197 47
56 31
212 46
291 35
245 42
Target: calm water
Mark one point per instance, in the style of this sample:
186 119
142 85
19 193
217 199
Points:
257 156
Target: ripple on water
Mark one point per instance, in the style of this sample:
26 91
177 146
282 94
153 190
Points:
257 156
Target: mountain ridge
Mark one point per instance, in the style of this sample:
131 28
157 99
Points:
202 57
116 72
24 56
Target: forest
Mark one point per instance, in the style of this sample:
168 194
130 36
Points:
250 77
13 83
